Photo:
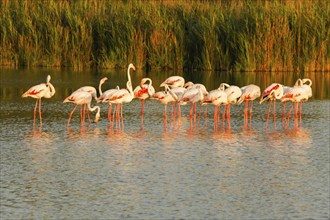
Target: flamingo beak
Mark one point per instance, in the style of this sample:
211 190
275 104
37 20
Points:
97 117
263 98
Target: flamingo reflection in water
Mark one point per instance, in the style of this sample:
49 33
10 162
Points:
43 90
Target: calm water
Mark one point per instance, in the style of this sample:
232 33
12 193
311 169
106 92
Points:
157 170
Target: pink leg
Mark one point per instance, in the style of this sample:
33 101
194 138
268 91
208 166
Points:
35 112
71 115
142 108
274 113
109 111
40 112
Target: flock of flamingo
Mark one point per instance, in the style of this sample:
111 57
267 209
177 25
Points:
179 93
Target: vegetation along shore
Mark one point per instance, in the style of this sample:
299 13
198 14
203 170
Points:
238 35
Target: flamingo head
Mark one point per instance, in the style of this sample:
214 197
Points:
97 117
131 66
48 79
264 97
188 84
104 79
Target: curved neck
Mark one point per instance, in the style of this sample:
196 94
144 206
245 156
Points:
128 74
308 81
298 82
167 89
94 108
223 86
100 86
51 88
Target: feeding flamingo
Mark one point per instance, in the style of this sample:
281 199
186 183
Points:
82 98
43 90
273 92
165 97
216 97
249 94
298 94
193 96
233 94
144 91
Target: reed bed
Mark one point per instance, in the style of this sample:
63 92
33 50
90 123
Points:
241 35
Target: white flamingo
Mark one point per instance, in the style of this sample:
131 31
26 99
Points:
216 97
82 98
165 97
43 90
193 96
273 92
249 94
233 94
123 95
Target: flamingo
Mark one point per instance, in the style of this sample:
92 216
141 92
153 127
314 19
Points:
43 90
216 97
82 98
144 91
249 94
165 97
299 93
92 91
173 81
193 96
106 97
233 94
273 92
123 95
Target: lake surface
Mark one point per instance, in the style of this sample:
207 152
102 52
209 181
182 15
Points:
157 169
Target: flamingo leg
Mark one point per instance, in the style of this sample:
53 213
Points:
109 112
274 113
87 111
121 116
40 117
228 116
35 112
83 116
165 110
71 115
142 108
268 112
283 113
251 113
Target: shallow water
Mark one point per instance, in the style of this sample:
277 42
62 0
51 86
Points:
156 170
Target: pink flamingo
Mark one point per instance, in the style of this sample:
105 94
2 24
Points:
216 97
144 91
173 81
249 94
273 92
193 96
43 90
82 98
165 97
